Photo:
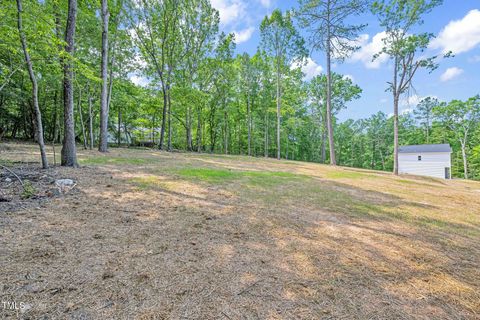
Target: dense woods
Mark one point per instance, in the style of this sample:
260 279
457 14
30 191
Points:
161 74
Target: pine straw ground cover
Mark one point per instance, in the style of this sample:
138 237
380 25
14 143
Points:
156 235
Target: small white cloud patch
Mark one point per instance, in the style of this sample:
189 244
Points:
244 35
139 81
266 3
310 68
459 35
368 49
230 10
450 74
349 76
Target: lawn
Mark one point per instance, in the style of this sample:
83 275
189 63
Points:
155 235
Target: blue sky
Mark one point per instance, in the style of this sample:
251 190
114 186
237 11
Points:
456 24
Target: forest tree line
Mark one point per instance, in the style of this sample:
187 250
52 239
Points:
161 74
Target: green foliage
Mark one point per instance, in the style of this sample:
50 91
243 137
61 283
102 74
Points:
174 72
326 24
399 17
28 190
280 39
259 178
106 160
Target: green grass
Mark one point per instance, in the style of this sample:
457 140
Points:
6 162
252 178
105 160
145 183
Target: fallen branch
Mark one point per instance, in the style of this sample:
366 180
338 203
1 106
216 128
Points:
249 287
14 174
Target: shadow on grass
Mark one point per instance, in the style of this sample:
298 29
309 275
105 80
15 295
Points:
292 247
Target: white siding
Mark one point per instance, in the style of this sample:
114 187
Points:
433 164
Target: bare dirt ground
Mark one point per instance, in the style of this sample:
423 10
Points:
154 235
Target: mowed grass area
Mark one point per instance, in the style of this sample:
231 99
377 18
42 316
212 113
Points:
154 235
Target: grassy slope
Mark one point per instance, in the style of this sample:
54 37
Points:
306 240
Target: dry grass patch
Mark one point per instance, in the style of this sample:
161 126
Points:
156 235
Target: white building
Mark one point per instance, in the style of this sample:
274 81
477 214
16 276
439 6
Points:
433 160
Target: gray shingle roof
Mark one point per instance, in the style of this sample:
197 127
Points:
425 148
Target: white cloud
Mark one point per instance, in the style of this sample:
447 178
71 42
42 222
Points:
266 3
230 10
139 81
460 35
310 68
244 35
369 49
349 76
407 104
412 100
406 111
451 73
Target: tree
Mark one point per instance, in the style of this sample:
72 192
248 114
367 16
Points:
249 78
399 17
325 19
342 91
222 81
284 43
33 79
103 142
156 28
69 150
462 118
423 113
198 29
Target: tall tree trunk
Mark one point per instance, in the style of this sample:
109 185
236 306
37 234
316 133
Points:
428 129
249 120
188 122
169 120
84 135
55 127
119 126
90 121
225 116
331 143
395 134
396 98
266 135
278 109
324 141
199 130
127 136
69 150
33 79
153 127
164 118
103 143
464 157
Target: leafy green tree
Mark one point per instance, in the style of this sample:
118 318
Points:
155 28
343 90
405 49
325 20
33 79
103 143
284 43
462 118
69 149
423 113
